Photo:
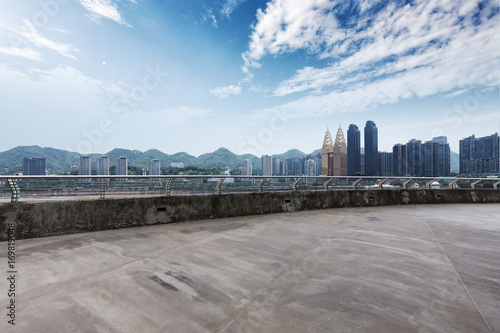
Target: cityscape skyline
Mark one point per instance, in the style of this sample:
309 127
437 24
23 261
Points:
478 156
243 74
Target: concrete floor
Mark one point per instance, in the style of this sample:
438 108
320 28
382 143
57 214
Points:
427 268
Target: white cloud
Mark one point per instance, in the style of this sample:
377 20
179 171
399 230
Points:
416 50
104 8
25 53
225 92
29 33
229 6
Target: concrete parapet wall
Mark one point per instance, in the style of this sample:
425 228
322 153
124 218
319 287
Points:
40 219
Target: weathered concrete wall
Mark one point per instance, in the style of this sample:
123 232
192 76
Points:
39 219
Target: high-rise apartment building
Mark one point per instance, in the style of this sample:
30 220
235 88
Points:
121 166
371 149
428 159
154 167
441 157
310 169
353 151
246 167
84 166
34 166
385 164
277 161
267 165
103 165
414 158
479 156
399 160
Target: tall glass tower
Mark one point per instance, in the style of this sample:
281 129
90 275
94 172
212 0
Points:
371 149
353 151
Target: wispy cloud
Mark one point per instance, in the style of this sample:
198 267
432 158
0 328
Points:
378 55
229 6
104 8
25 53
30 34
209 16
225 92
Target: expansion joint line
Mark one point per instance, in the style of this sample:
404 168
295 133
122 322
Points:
453 266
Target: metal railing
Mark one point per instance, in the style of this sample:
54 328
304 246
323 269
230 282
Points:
56 186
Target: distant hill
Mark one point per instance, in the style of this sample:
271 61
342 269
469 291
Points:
292 153
58 161
11 161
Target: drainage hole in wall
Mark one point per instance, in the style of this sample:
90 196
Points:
161 209
371 197
288 200
438 196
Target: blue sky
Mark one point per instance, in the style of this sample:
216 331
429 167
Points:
256 77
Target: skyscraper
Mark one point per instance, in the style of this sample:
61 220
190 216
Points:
327 155
340 154
154 167
84 166
246 167
480 155
103 165
441 157
277 161
353 151
310 168
414 158
267 165
428 158
371 149
121 166
385 164
399 160
34 166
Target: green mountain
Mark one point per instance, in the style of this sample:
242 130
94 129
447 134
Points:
292 153
224 158
58 161
11 161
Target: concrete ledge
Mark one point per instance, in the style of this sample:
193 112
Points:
40 219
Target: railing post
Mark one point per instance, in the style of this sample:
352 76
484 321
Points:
495 186
219 185
380 185
167 186
355 184
405 184
473 185
428 184
450 185
261 184
294 186
102 186
15 190
327 183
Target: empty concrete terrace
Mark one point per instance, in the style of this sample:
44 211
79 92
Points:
415 268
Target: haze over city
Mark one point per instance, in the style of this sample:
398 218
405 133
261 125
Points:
257 77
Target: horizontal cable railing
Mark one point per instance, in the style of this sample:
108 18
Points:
115 185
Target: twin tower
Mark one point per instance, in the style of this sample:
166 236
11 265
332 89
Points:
334 155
